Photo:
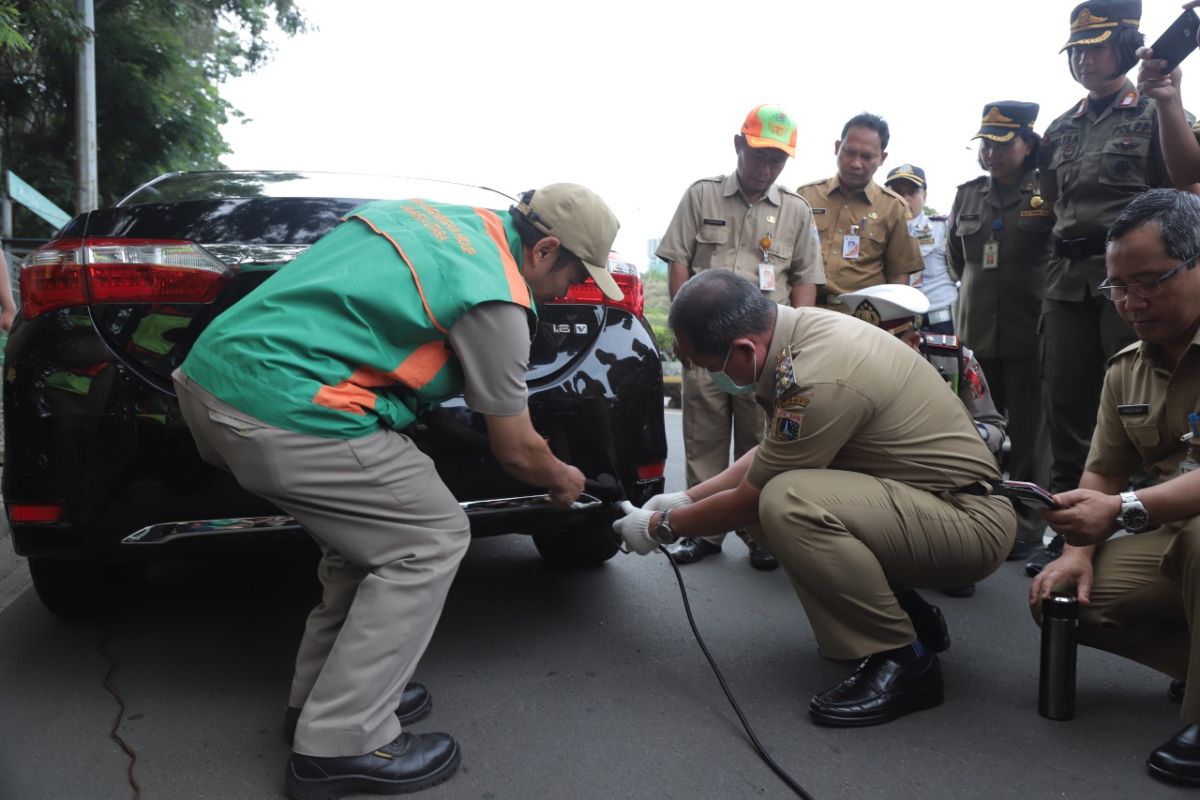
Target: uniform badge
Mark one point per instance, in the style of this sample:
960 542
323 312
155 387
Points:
867 313
973 378
785 376
788 421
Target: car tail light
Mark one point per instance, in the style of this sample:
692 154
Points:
647 472
28 512
69 272
627 279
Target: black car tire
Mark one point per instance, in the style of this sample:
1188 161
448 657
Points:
84 589
588 544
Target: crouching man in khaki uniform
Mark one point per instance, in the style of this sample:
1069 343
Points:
870 477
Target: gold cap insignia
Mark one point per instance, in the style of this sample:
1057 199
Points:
1087 19
867 312
994 117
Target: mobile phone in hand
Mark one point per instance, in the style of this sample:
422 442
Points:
1178 41
1027 492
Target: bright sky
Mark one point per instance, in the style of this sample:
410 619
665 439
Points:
638 99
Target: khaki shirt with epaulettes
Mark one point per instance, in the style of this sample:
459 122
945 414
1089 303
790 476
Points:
843 394
887 250
1000 304
1143 413
1093 164
714 227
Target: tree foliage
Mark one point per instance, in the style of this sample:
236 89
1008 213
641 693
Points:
159 64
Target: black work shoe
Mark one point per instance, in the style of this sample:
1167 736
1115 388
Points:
960 591
1178 761
689 551
1022 550
411 762
415 704
761 557
880 690
1040 558
1175 691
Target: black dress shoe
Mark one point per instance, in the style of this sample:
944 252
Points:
689 551
960 591
1175 691
880 690
761 557
415 704
411 762
1178 761
1040 558
1022 550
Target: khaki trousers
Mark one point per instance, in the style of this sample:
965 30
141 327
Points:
1078 338
845 538
1144 598
391 535
708 415
1016 386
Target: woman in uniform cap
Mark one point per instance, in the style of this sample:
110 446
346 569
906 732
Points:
998 247
1096 157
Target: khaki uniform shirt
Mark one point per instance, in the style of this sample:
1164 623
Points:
714 226
1095 162
887 250
1000 305
843 394
1143 412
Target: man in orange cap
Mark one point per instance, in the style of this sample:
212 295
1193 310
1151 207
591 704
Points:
749 224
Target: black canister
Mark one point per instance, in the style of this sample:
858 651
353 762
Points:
1056 679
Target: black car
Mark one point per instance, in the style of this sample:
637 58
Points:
101 473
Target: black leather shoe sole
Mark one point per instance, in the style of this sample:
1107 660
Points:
332 788
1172 777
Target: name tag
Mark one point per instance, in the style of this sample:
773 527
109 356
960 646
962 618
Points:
968 216
1134 410
718 222
818 211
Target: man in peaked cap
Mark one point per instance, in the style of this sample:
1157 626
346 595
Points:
934 281
1096 157
747 223
317 431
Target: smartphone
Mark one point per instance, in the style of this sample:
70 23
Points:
1178 41
1027 492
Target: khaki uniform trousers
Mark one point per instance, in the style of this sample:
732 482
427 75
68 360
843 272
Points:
708 413
1146 589
846 539
391 535
1078 338
1016 387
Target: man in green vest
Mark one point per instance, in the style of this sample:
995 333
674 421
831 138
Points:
302 389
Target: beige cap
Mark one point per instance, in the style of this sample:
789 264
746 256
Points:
584 223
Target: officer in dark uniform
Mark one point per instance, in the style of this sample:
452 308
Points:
999 247
1097 157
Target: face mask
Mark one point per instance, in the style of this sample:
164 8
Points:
726 383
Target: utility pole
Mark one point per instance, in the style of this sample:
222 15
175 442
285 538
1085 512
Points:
87 197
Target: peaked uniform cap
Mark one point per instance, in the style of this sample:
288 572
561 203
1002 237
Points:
891 306
770 126
907 172
1095 22
1003 118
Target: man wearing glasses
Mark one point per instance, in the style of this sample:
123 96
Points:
1138 595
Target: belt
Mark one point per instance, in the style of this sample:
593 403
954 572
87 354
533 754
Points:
941 315
978 488
829 299
1079 248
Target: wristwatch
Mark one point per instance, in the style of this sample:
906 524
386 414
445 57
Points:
662 532
1133 517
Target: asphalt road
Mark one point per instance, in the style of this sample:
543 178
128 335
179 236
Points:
581 685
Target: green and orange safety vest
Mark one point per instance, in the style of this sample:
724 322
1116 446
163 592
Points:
352 334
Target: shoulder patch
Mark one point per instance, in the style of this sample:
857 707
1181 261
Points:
788 420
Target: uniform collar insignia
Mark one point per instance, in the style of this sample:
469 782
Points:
1079 112
1130 99
785 376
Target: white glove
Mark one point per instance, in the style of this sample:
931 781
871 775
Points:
634 528
665 502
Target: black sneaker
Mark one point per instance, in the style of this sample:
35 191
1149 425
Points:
411 762
1044 556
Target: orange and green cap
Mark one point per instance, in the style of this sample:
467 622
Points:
770 126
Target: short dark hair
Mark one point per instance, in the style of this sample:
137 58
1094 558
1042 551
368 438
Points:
1033 141
717 306
872 122
1177 214
1125 43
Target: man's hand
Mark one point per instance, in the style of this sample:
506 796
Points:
568 488
1073 567
664 502
634 528
1086 517
1153 82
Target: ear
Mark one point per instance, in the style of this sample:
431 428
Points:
544 252
883 157
737 143
837 146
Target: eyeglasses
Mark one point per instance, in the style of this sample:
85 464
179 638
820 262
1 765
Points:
1119 292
